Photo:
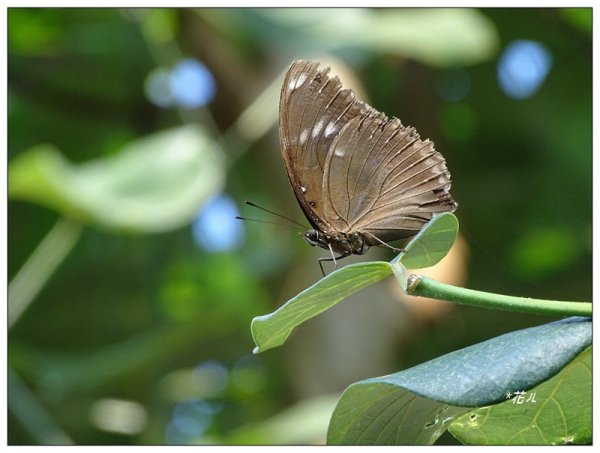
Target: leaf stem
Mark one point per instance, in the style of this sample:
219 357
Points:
419 285
38 268
26 407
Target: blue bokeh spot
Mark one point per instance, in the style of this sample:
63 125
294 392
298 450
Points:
157 88
523 67
189 421
216 229
192 84
454 85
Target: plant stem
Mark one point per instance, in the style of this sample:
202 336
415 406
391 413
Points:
35 418
40 266
419 285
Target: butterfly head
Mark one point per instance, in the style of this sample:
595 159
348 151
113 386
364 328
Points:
313 238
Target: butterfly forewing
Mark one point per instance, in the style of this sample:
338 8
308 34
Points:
313 109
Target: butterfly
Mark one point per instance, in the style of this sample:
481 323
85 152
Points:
362 179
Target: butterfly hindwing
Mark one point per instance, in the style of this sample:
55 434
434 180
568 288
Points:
383 180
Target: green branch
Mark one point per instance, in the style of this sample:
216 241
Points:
38 268
418 285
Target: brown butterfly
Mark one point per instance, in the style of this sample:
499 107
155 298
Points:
361 178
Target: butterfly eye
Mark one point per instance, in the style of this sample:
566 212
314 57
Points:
312 237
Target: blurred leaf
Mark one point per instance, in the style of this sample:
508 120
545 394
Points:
438 37
63 373
160 25
541 251
562 413
154 184
218 283
390 409
304 422
32 31
273 329
580 18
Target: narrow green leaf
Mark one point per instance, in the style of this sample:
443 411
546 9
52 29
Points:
272 330
382 408
559 412
428 247
154 184
431 244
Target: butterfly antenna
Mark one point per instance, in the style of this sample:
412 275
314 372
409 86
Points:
266 221
249 203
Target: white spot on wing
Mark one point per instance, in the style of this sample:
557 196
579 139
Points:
330 129
297 83
318 128
339 152
303 136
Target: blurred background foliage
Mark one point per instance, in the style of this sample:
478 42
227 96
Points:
135 136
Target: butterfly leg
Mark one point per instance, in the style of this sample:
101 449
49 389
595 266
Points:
333 258
386 245
363 248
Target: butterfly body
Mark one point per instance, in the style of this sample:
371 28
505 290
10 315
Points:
343 243
362 179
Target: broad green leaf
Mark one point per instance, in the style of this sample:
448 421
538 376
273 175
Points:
376 414
272 330
154 184
559 412
390 410
431 244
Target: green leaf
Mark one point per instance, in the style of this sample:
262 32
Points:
390 410
154 184
272 330
428 247
438 37
561 413
376 414
431 244
302 423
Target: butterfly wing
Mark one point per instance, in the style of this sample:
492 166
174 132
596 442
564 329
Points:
382 180
313 109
